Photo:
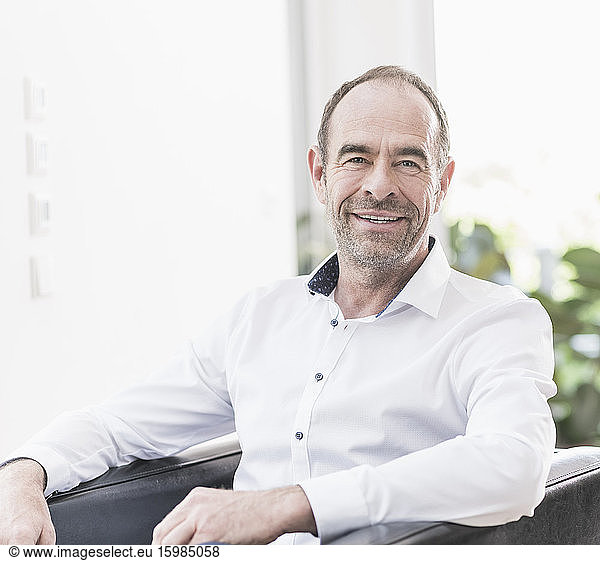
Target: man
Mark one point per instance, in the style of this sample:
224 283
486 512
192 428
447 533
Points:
383 387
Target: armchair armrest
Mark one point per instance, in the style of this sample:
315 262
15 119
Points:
569 513
122 506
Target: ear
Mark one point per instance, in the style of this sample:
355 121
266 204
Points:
315 165
444 184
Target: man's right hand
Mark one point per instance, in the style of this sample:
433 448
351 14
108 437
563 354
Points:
24 514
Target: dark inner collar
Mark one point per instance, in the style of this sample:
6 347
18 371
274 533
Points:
326 278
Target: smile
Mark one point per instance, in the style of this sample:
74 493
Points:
378 219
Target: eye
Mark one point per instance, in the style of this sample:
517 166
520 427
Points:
409 166
356 160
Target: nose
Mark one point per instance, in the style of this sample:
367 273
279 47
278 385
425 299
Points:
380 182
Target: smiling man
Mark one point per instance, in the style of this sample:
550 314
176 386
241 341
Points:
381 170
384 386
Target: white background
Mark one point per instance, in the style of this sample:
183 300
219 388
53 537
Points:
171 183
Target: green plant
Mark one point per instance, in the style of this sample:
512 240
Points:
575 314
576 322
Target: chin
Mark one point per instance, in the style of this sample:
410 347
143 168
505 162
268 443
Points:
377 260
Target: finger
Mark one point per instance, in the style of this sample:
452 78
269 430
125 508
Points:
48 535
180 535
177 516
170 521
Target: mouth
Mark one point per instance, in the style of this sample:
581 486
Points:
377 219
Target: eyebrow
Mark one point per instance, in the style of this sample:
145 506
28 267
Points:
353 149
365 149
412 151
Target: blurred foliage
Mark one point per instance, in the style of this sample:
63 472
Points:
476 253
575 314
311 251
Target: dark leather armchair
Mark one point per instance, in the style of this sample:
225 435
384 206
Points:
123 505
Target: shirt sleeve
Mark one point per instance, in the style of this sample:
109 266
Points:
493 473
184 403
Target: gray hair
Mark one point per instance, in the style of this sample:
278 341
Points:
396 75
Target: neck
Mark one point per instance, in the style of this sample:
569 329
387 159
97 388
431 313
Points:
363 291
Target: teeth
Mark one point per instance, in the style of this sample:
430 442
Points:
378 218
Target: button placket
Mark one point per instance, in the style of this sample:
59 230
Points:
325 363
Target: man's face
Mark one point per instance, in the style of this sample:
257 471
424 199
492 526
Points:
381 184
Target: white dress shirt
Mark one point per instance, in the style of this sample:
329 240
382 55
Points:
435 409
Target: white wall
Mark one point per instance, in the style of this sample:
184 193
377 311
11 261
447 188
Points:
171 176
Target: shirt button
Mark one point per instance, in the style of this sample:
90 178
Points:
334 322
318 376
299 435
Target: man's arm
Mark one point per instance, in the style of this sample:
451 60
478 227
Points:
183 404
24 515
493 473
173 410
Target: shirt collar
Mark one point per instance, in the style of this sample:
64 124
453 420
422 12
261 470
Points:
425 290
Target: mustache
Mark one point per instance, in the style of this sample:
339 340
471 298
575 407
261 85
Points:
406 209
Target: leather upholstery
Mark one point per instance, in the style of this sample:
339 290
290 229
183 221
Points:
123 505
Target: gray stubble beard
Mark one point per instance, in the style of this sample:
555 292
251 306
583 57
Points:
374 253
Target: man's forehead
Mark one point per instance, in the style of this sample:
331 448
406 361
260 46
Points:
381 107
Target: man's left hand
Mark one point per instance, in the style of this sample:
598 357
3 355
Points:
236 517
